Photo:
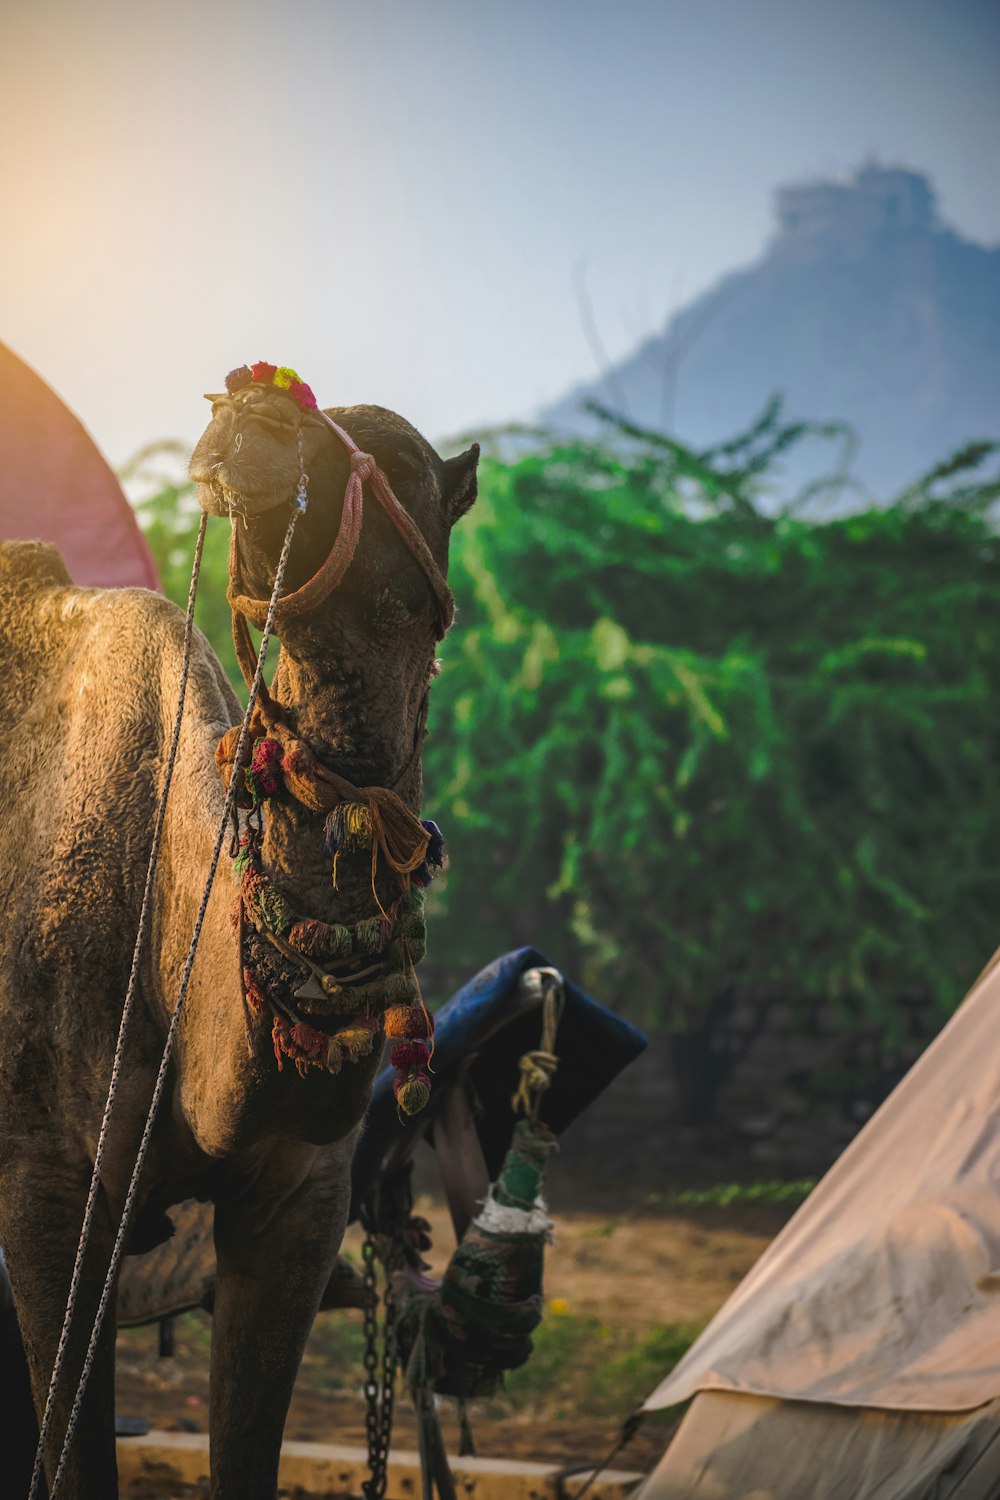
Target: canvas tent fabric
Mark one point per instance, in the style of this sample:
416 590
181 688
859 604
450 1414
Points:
884 1289
754 1448
56 487
860 1358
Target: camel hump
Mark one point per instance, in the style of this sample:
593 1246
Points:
35 563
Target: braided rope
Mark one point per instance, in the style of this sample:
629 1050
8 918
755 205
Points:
119 1244
140 940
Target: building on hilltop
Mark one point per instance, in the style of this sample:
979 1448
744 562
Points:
874 200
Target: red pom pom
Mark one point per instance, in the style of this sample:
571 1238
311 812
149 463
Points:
410 1054
263 373
266 764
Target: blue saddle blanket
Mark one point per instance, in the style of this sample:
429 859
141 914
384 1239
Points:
488 1025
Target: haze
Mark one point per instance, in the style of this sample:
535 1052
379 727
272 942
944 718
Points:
402 200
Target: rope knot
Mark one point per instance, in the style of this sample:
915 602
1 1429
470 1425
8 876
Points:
537 1070
363 465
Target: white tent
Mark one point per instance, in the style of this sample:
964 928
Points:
860 1358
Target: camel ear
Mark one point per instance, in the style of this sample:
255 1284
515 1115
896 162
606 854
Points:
459 487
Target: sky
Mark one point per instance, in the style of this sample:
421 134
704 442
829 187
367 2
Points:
410 201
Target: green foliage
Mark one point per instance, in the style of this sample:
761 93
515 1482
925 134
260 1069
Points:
726 748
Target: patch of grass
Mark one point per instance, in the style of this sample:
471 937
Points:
726 1194
584 1367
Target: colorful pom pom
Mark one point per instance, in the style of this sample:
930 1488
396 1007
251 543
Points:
264 776
263 373
408 1023
410 1055
238 378
302 393
349 828
412 1093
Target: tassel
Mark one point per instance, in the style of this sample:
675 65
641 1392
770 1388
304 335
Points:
279 1040
435 855
349 828
321 941
263 776
410 1055
434 859
307 1047
253 994
244 860
358 1039
408 1023
398 989
265 906
412 1092
414 929
368 936
414 901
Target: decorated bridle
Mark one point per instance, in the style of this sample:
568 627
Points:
331 571
334 1014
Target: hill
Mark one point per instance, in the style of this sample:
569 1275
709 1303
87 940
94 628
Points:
864 307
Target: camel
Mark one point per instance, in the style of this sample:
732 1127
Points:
88 698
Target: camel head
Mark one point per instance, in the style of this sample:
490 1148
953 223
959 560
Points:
379 624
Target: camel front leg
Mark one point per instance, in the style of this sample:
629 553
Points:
276 1246
39 1234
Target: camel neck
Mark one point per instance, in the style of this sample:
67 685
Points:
366 727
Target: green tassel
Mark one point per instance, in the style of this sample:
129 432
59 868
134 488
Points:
368 936
244 860
414 929
414 900
398 989
339 942
272 909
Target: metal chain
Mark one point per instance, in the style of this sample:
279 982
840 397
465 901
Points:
140 940
116 1254
379 1398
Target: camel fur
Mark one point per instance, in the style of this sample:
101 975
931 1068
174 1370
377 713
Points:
87 700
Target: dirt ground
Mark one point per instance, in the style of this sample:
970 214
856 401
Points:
634 1272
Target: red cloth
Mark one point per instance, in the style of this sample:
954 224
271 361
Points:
55 486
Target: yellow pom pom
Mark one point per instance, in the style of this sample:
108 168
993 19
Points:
283 377
412 1094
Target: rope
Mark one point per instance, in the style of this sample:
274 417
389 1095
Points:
117 1250
629 1429
537 1069
140 940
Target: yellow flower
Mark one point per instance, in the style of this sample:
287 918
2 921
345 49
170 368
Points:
283 377
558 1307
